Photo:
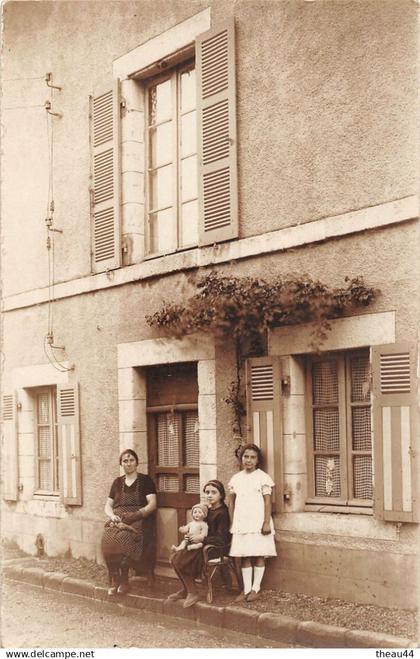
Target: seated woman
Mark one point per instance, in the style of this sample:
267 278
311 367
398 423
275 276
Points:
129 538
188 565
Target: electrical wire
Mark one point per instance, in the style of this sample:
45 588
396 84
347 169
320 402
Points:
22 107
18 79
47 215
49 338
62 368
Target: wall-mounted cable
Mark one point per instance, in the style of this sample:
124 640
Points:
49 346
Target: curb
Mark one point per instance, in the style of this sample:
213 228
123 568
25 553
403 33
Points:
270 626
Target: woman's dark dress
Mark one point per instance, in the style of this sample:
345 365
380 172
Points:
120 547
190 563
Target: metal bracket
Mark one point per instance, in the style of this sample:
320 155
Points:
48 80
48 106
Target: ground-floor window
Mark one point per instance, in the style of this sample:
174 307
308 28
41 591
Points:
46 438
339 429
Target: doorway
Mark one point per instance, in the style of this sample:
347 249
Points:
173 446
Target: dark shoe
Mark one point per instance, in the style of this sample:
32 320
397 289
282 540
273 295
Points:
190 601
241 598
252 596
179 595
123 589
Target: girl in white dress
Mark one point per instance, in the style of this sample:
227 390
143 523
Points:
252 527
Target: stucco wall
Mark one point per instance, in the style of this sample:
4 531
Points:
326 112
91 326
325 120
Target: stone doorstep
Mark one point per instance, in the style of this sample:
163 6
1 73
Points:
265 625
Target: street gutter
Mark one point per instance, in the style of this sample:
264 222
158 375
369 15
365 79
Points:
283 629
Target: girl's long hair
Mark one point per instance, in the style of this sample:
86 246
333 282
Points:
250 447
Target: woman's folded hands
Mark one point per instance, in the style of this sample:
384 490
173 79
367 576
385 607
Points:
129 518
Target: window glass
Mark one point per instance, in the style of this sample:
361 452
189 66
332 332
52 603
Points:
327 476
47 473
160 102
189 179
161 187
341 427
161 144
188 134
162 231
189 223
168 440
188 93
172 161
178 441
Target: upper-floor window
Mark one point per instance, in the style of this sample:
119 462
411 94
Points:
171 156
183 115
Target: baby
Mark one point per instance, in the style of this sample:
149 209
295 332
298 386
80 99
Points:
196 527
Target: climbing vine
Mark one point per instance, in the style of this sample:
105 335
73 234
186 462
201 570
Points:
244 308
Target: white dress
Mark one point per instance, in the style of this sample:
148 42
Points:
248 516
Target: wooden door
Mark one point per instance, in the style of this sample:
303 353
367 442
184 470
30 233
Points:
173 448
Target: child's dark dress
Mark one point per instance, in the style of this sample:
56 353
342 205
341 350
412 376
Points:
190 563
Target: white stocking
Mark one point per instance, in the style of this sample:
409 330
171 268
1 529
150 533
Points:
258 575
247 578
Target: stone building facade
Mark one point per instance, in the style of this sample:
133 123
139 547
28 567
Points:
146 144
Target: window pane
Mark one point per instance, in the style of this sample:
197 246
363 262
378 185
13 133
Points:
160 102
161 188
362 438
192 484
168 483
45 481
168 440
43 408
188 95
327 476
44 442
162 231
188 134
189 223
191 440
360 378
325 383
161 144
362 477
326 430
189 178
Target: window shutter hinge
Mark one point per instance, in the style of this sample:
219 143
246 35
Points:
123 104
285 384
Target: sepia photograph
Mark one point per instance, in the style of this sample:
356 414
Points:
210 291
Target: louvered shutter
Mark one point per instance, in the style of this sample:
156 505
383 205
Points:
396 496
69 444
105 166
9 448
216 122
265 417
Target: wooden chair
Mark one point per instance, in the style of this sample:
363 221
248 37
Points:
216 559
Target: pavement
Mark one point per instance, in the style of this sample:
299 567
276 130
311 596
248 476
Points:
37 618
270 626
